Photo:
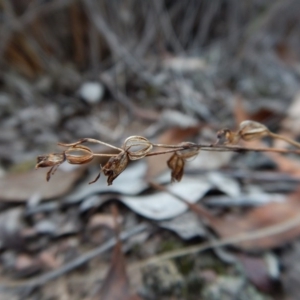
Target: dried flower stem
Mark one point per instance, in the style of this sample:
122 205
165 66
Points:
90 140
104 155
137 147
167 146
284 138
165 152
226 148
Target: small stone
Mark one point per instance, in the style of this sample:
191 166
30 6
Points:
91 92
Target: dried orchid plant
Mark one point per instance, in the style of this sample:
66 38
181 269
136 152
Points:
138 147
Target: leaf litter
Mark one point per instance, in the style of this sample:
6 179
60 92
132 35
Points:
172 88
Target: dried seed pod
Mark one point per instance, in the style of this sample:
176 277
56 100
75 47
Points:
115 166
251 130
176 164
82 155
137 147
53 160
50 160
226 137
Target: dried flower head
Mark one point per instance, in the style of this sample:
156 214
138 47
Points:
53 160
176 164
115 166
137 147
50 160
251 130
226 137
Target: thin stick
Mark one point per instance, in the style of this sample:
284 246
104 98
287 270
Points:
90 140
242 149
172 146
257 234
225 148
165 152
41 280
283 138
104 154
102 143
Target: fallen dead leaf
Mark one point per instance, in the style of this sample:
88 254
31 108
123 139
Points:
100 220
259 218
116 283
26 265
271 214
256 271
48 260
284 164
161 205
186 225
20 187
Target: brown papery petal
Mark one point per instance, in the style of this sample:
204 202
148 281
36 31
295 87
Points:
115 166
176 164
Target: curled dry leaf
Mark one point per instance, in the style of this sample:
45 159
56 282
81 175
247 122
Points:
115 166
53 160
251 130
137 147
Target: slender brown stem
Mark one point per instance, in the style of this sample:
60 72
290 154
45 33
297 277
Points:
90 140
104 154
284 138
166 146
225 148
164 152
242 149
102 143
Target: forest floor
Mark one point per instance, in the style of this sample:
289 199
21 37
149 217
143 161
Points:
229 229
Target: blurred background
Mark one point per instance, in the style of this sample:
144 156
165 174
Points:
167 70
93 68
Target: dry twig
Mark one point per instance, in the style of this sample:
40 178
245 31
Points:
81 260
